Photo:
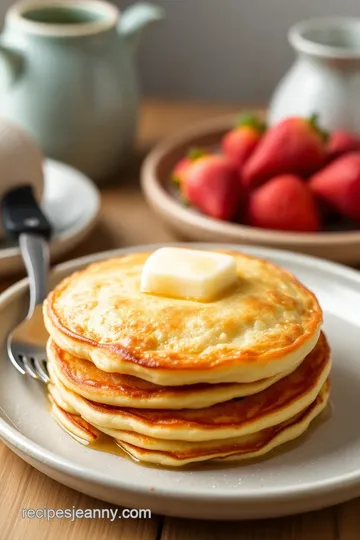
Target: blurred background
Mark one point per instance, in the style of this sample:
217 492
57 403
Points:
232 38
206 60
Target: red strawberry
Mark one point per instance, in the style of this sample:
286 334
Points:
239 143
342 142
212 185
294 146
178 173
339 185
284 203
179 170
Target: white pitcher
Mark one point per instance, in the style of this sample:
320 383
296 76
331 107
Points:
325 78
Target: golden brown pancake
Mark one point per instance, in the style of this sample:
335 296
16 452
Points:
84 378
179 453
249 446
73 423
278 403
264 326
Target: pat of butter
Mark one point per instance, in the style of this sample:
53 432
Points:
188 273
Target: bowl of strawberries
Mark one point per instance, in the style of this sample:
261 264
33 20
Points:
290 186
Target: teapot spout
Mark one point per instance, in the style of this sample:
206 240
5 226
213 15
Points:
136 18
12 62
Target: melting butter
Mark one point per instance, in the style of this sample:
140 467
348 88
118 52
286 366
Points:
188 273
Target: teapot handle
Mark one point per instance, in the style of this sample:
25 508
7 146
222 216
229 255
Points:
13 62
136 18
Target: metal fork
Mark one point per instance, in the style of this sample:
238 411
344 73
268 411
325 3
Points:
24 221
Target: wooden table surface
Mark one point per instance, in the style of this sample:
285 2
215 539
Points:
125 220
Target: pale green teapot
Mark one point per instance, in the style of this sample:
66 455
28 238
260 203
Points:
67 75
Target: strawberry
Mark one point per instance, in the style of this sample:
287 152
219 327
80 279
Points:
178 172
338 185
294 146
239 143
284 203
342 142
212 185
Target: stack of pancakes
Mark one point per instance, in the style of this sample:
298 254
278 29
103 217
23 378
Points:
175 381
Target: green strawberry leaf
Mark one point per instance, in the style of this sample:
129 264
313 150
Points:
175 179
196 153
250 120
315 126
184 201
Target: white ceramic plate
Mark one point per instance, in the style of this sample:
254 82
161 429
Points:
320 469
71 202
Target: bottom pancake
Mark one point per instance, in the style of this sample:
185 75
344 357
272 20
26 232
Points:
178 453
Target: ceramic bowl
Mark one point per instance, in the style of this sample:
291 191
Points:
187 223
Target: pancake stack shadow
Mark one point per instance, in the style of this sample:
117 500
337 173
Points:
174 382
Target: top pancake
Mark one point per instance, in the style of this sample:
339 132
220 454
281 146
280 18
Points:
264 326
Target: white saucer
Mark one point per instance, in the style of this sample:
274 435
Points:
71 202
320 469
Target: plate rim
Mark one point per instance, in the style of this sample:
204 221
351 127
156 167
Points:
337 484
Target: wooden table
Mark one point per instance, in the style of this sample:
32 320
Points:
125 220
